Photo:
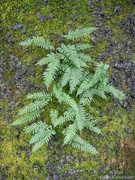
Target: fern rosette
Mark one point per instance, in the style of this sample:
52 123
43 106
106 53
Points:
68 62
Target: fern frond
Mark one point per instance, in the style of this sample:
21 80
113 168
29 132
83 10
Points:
80 117
35 127
104 80
92 128
46 137
28 117
50 57
70 131
54 115
85 58
26 43
49 74
68 116
100 71
81 46
33 106
39 96
76 78
61 96
79 32
66 76
70 53
87 96
42 135
100 92
39 41
93 122
117 93
83 145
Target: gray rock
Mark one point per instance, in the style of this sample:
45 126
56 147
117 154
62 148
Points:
63 161
40 16
55 177
16 26
23 29
106 177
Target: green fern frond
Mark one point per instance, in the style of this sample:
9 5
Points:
81 46
33 106
48 135
84 100
35 127
79 32
39 41
80 117
83 145
85 58
117 93
54 115
76 78
49 74
68 116
50 58
66 76
26 43
61 96
92 128
104 80
70 132
70 53
87 96
42 135
100 92
93 122
39 96
28 117
100 71
84 85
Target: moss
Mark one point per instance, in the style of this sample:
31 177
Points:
63 13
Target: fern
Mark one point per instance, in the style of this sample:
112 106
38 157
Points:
28 117
70 52
83 145
70 132
76 78
66 76
39 96
68 64
33 106
50 72
92 128
80 117
117 93
42 134
80 32
61 96
48 59
81 46
39 41
68 115
100 71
